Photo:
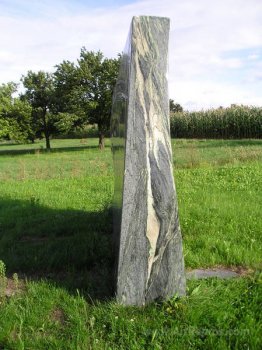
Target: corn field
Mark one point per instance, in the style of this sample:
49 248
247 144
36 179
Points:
233 122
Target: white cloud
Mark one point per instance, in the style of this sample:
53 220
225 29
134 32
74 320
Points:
202 32
196 95
253 57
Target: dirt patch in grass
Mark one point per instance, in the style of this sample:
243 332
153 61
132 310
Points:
58 316
241 270
13 287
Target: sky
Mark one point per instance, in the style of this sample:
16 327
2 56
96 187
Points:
215 47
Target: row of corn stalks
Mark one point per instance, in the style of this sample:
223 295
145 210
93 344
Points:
232 122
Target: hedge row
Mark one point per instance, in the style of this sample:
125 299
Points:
232 122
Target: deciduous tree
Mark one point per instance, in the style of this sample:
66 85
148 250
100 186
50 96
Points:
98 78
15 115
85 90
40 94
175 107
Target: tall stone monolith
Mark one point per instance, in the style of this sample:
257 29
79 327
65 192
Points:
150 261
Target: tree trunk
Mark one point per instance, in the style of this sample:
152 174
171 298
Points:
46 132
47 142
101 140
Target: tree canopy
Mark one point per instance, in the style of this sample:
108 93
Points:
15 115
175 107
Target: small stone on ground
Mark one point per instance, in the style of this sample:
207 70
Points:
217 272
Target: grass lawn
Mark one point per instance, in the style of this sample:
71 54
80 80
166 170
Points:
55 232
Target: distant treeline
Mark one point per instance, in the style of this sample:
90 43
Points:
233 122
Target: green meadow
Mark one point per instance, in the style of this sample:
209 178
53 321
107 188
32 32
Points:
56 233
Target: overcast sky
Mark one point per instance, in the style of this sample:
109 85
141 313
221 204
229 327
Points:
215 55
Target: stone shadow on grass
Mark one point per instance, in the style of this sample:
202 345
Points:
71 248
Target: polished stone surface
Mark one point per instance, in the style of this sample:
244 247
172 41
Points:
147 231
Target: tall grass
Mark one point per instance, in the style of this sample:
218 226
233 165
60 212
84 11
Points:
233 122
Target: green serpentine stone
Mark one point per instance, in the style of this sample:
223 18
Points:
148 240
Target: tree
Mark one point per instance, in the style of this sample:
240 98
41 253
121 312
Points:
175 107
5 128
84 92
68 104
6 92
97 76
40 94
20 117
15 115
